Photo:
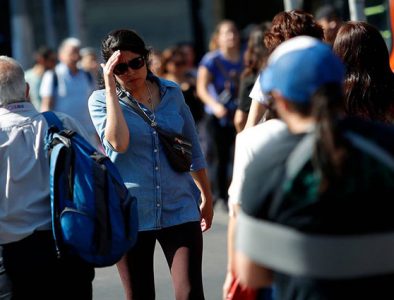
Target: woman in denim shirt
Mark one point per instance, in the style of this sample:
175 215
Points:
174 207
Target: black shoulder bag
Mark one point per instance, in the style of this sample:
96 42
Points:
177 148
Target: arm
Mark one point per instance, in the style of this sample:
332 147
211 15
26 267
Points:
251 274
203 80
116 130
46 103
232 221
47 91
240 118
201 179
255 114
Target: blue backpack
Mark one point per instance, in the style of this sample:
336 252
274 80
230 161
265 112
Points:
93 214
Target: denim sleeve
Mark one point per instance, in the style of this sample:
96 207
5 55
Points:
98 114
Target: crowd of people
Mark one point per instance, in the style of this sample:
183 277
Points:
290 132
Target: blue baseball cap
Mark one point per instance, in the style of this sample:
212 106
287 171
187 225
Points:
299 66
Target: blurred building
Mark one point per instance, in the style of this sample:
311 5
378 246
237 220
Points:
26 24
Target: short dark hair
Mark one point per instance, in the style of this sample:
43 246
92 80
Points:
44 52
328 12
123 39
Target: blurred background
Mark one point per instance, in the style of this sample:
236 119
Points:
26 25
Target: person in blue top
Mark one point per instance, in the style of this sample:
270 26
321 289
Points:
217 87
174 207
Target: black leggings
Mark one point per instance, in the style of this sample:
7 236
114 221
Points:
220 149
182 247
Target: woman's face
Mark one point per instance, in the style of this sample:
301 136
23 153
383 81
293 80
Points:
228 36
134 75
177 65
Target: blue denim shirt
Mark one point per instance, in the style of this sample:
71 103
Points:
165 197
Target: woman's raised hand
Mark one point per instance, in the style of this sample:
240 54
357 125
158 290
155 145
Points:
108 70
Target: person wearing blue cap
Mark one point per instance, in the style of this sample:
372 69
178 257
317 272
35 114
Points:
308 223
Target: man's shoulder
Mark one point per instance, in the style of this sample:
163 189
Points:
269 133
72 124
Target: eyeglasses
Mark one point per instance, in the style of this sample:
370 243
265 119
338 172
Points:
135 64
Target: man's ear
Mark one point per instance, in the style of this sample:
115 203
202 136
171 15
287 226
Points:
27 91
279 100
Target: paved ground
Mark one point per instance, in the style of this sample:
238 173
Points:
107 284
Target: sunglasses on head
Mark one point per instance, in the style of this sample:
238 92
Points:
135 64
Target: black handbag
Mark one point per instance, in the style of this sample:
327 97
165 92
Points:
177 148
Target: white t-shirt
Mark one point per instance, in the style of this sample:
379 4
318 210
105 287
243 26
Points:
256 93
247 144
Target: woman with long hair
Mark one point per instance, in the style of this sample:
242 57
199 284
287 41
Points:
369 81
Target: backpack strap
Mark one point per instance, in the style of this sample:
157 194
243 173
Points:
53 120
290 251
297 159
59 185
372 148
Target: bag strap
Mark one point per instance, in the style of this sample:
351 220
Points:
125 99
287 250
53 120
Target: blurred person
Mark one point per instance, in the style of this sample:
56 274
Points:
155 62
247 145
329 18
175 69
190 55
217 88
174 208
67 88
285 25
90 64
29 253
45 59
254 59
369 81
327 188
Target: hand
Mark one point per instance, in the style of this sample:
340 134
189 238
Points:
206 208
227 284
108 70
219 110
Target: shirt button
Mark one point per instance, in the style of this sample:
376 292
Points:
155 150
157 186
154 132
157 168
158 204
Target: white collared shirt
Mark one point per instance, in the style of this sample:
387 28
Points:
24 170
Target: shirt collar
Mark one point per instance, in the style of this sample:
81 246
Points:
16 107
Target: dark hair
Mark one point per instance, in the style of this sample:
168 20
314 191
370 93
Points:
44 52
330 148
289 24
256 53
369 81
328 12
126 40
169 55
